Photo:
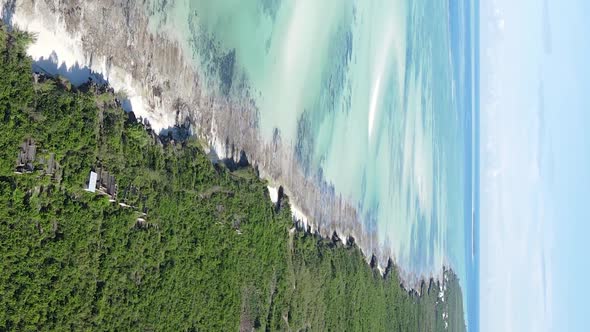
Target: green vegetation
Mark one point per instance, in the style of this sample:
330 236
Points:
211 255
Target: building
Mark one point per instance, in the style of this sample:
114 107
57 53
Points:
103 182
92 182
26 157
107 183
51 165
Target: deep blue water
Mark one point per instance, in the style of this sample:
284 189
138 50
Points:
465 46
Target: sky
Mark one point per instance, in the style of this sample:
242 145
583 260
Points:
535 164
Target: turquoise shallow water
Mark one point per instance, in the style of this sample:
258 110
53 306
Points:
374 96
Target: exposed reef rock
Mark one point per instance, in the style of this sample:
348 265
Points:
113 37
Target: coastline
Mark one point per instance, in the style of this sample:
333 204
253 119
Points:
54 44
170 104
195 235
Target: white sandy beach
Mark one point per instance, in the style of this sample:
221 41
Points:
59 52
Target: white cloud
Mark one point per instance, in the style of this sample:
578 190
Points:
515 257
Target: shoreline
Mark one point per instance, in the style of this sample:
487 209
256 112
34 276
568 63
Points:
71 60
194 235
169 104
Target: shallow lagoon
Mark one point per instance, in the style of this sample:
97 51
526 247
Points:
375 97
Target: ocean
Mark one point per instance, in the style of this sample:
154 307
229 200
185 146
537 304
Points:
378 98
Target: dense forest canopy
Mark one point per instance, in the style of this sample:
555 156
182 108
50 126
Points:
185 245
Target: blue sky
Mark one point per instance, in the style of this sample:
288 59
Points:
535 159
